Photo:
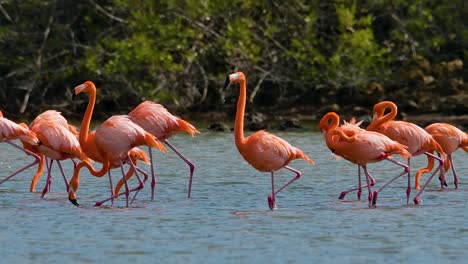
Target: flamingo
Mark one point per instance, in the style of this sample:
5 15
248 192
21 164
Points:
330 122
262 150
450 139
362 147
9 131
58 142
112 144
155 119
414 137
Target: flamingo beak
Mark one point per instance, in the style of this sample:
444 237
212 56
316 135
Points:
78 89
227 81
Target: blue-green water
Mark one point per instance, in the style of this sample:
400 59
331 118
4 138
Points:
227 220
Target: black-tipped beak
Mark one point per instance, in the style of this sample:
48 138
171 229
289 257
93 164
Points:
226 82
73 201
73 94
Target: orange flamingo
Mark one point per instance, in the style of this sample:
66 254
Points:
112 144
408 134
57 141
9 131
329 122
155 119
450 139
262 150
362 147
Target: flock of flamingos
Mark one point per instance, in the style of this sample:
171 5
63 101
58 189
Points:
115 142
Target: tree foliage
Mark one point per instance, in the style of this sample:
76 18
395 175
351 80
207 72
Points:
296 54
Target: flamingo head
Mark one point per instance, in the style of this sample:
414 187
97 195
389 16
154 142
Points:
86 87
329 120
234 77
379 108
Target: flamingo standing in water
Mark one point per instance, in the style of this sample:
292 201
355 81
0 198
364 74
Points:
112 143
9 131
329 122
262 150
450 139
155 119
57 141
362 147
414 137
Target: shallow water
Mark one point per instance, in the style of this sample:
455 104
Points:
227 220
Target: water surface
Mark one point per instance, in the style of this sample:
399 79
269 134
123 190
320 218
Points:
227 220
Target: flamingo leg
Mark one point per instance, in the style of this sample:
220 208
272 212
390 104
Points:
36 161
405 171
273 202
141 182
63 175
359 188
189 163
47 187
441 164
455 177
153 177
369 189
127 189
111 186
271 197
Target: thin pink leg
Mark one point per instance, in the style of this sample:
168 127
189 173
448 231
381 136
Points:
441 165
271 197
298 175
111 186
359 188
141 183
48 185
36 161
127 190
153 176
369 189
189 163
63 175
455 177
405 171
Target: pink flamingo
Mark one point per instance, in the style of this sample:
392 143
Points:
263 151
155 119
112 144
57 141
450 139
408 134
9 131
330 122
363 147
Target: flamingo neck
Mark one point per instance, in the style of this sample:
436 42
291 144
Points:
239 122
85 123
382 119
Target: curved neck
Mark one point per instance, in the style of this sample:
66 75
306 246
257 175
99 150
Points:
85 123
381 118
335 121
239 123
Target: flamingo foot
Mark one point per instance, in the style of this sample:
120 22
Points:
408 192
456 183
271 202
359 193
98 204
417 200
342 195
44 191
374 198
372 183
73 201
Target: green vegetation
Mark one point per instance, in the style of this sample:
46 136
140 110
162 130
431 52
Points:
296 54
